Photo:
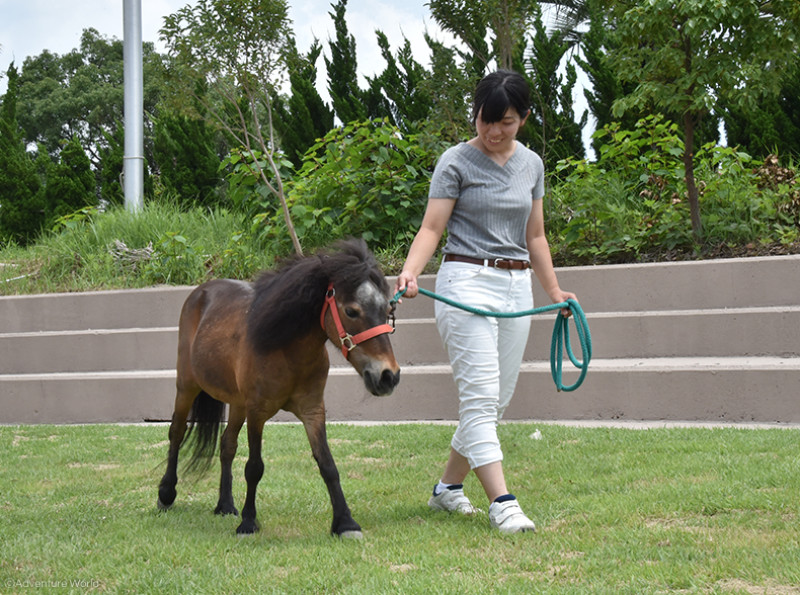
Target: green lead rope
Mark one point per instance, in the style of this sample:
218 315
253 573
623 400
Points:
560 342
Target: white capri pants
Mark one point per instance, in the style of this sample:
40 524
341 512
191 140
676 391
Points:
485 352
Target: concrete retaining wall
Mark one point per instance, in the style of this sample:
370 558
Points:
694 341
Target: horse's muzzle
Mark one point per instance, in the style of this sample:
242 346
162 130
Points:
383 383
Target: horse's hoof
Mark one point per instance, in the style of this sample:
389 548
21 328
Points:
224 510
351 535
162 506
245 529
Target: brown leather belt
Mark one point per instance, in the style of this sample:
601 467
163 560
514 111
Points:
498 263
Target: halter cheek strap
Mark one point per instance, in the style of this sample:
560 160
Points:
348 341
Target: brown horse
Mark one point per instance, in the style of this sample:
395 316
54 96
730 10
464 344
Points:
261 348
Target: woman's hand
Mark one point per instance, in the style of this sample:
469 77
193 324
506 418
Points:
408 282
559 296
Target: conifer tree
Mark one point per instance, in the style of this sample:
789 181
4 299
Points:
21 196
303 117
70 183
348 99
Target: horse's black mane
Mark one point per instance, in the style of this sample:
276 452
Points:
288 300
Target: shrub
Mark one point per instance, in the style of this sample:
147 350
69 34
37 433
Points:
631 204
366 179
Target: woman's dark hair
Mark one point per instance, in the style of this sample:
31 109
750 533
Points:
499 91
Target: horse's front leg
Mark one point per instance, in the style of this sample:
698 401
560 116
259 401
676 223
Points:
227 452
253 470
343 523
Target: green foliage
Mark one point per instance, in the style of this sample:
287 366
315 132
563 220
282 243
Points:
92 249
773 126
450 87
81 94
70 182
184 149
606 86
684 57
631 204
304 117
400 88
235 51
175 261
551 129
367 180
21 193
469 22
349 101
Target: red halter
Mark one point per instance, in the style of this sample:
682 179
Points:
349 341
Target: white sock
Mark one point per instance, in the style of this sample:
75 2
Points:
441 486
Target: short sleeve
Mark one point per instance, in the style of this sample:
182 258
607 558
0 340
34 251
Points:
447 179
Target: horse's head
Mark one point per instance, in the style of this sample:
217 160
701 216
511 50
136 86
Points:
356 317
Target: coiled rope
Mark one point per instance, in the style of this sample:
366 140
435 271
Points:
560 341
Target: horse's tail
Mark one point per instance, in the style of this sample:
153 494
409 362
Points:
204 423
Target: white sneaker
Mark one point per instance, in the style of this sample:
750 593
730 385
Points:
452 500
508 517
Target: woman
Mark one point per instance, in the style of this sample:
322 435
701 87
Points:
487 192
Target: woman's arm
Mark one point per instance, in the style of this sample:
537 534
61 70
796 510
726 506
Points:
541 260
437 214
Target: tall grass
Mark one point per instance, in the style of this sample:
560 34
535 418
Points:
117 249
618 511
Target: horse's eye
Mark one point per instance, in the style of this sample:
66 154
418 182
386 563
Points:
351 312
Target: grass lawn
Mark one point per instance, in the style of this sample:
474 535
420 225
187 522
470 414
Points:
689 510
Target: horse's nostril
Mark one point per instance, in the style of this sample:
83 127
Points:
381 384
389 378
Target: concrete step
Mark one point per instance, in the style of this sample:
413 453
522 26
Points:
122 309
647 334
696 285
651 334
745 389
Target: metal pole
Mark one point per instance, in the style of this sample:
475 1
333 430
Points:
133 157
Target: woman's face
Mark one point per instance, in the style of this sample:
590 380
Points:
499 136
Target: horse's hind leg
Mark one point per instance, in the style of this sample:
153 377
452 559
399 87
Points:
177 430
343 523
253 470
227 452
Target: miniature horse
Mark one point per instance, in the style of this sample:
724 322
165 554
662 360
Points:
261 348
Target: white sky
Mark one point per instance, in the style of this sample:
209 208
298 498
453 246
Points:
27 27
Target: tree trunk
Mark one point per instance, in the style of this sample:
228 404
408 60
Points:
688 168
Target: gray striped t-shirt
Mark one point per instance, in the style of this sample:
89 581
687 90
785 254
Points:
493 203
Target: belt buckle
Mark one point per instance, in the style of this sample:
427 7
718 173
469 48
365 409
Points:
500 263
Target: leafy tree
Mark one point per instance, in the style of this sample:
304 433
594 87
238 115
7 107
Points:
236 48
80 94
21 196
684 56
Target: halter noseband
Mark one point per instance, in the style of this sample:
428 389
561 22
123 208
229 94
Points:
348 341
